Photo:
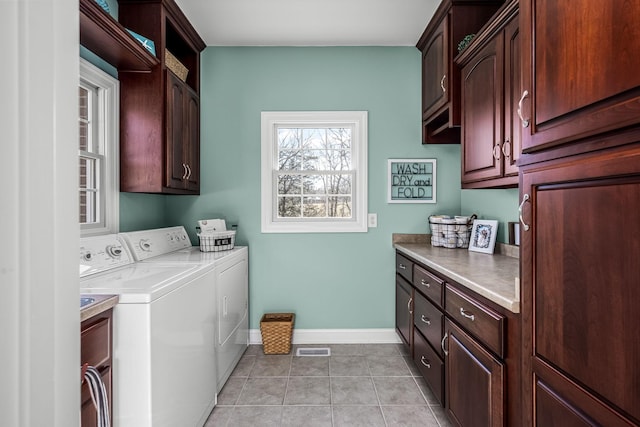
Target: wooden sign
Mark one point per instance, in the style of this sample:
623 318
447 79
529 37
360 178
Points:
412 181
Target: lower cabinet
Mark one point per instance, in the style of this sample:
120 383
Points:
404 301
95 350
467 348
475 381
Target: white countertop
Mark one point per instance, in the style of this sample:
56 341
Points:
492 276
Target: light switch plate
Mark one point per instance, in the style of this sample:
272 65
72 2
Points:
372 220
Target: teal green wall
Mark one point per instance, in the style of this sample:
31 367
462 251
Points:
329 280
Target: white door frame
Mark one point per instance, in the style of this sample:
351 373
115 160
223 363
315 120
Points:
39 286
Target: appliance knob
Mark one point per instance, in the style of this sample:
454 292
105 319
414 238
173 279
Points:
114 251
87 256
145 245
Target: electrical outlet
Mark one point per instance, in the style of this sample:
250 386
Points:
372 221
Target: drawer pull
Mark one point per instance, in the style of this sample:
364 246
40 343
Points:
525 122
409 305
427 363
444 338
466 314
423 283
402 267
426 320
525 198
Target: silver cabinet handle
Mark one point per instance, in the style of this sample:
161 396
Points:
525 123
425 320
184 175
409 305
427 363
525 198
467 314
506 148
444 338
402 267
444 89
496 151
425 283
188 171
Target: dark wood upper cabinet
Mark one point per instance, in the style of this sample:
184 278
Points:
160 112
490 81
108 39
452 21
580 69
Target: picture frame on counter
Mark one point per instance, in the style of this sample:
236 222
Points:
483 236
411 181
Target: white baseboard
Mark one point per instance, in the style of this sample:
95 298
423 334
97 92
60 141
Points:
336 336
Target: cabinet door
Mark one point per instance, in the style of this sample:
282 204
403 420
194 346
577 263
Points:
482 113
177 169
434 71
580 69
404 310
512 143
474 381
580 281
191 149
88 412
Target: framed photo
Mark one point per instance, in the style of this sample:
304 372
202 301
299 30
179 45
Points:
412 181
483 236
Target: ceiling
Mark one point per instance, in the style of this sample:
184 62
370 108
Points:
309 22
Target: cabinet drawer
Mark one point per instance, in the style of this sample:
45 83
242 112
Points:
430 365
404 267
484 323
87 410
428 319
95 342
429 284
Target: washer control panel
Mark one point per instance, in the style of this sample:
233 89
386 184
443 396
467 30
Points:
146 244
102 253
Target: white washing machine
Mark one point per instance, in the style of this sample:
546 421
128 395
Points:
230 270
163 335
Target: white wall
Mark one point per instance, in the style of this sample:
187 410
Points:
39 314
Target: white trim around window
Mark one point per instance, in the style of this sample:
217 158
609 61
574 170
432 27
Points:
106 134
351 214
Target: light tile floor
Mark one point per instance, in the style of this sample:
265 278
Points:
358 385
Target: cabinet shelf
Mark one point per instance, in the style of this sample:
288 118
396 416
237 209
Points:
108 39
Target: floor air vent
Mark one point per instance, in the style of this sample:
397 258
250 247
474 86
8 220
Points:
313 351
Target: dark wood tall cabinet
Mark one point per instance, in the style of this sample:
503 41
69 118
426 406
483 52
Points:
580 187
160 119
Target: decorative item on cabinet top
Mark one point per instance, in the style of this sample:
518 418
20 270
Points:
451 232
103 4
483 236
465 42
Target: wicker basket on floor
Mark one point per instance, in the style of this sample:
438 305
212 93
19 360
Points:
277 330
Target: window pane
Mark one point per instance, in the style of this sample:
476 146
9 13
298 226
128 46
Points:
289 138
314 138
289 207
314 184
339 138
87 173
339 207
83 100
338 184
289 184
289 160
315 207
88 203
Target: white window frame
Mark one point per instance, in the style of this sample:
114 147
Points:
108 118
270 121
